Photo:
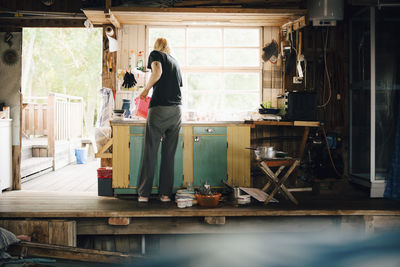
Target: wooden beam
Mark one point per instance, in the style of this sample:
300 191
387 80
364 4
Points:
104 155
213 10
108 6
28 249
62 233
51 103
299 23
185 16
307 123
16 167
295 25
220 220
196 225
119 220
16 154
114 20
54 232
194 3
101 154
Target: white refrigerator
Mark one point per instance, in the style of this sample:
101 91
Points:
5 154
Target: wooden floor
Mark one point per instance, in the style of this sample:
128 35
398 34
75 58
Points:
71 178
71 192
33 204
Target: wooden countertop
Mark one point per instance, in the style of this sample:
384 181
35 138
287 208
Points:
243 123
194 123
285 123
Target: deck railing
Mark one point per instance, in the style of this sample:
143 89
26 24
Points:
58 116
34 117
65 118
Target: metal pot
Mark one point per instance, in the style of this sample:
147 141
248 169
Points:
265 152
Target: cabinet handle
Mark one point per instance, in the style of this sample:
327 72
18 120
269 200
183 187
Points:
210 130
196 139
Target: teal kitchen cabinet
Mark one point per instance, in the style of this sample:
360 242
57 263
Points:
136 145
209 155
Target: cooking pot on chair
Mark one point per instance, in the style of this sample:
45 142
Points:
265 152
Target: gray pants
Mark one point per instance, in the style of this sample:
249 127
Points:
162 121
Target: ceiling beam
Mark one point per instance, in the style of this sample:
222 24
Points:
114 20
293 11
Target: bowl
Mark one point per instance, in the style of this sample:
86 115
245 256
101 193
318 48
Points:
209 201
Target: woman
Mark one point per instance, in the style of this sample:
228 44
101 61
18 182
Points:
163 120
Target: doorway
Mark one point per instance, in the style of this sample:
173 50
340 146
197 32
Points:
61 77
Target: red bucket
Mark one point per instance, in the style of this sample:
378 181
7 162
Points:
104 172
142 106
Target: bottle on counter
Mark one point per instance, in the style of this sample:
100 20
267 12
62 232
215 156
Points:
132 60
140 62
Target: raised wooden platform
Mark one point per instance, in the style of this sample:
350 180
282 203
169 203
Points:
23 204
124 225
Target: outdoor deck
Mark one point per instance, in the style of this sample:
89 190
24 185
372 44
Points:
71 178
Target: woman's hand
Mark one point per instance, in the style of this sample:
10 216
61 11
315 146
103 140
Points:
144 93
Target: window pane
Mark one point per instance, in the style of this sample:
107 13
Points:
242 37
204 57
204 81
179 54
242 81
204 102
175 37
242 57
241 102
204 37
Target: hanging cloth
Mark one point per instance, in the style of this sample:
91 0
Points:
107 107
392 189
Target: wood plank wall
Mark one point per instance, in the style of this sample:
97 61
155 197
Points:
272 73
130 38
54 232
109 77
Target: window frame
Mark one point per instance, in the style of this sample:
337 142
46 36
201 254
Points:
214 69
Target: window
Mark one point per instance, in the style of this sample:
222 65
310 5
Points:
221 66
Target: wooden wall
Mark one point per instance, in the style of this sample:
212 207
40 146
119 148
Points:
272 73
54 232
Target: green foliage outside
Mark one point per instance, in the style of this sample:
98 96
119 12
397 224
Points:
66 61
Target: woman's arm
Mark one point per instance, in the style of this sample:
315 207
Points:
155 76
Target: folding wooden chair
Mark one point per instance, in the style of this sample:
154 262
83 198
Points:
273 178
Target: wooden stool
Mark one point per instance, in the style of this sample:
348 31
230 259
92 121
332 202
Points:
273 178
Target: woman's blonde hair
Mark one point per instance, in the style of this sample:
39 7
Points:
161 44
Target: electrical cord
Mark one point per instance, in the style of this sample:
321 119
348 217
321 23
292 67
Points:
327 73
329 152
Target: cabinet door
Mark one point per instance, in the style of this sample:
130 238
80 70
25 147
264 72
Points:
209 160
136 151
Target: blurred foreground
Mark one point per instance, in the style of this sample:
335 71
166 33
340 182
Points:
283 249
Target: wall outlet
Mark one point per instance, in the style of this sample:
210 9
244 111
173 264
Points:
297 80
